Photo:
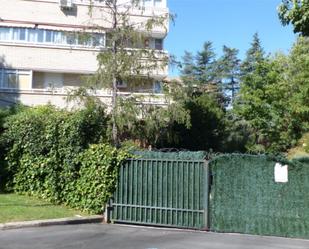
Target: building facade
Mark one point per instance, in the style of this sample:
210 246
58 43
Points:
42 54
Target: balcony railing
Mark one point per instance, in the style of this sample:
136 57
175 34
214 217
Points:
143 97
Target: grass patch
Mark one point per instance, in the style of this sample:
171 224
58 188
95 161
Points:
15 207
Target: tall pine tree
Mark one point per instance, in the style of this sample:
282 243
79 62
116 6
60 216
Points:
228 68
188 71
205 64
254 55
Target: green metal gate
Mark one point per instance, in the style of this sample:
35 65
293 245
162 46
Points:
162 192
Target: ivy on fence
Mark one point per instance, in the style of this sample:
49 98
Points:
62 156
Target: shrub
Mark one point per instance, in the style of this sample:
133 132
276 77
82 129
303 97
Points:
97 177
48 155
4 114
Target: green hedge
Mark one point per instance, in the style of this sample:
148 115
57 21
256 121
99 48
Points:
244 197
182 155
86 183
50 156
4 114
98 176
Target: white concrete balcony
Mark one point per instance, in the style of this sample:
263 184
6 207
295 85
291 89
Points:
58 97
58 59
48 58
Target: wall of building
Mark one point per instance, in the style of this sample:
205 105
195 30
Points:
44 80
47 13
61 65
48 59
44 58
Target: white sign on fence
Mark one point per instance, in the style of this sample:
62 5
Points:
281 173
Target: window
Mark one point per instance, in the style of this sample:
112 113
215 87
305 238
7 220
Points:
152 3
70 39
121 83
97 40
17 34
148 3
4 34
10 79
40 35
159 44
50 37
58 38
157 87
32 35
15 79
147 43
154 43
157 3
22 34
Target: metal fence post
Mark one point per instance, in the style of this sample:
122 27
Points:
206 195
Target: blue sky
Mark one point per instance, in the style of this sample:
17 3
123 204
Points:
226 22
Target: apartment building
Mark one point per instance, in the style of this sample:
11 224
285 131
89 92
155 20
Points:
42 54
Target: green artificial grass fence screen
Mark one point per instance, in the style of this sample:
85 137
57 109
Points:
245 198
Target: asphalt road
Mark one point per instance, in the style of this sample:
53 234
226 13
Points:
98 236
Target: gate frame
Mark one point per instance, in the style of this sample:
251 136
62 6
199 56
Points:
109 206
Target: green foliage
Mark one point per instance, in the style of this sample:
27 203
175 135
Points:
254 55
274 100
182 155
298 78
228 72
301 149
204 73
205 64
188 70
207 124
97 177
295 12
269 113
236 133
262 106
140 122
126 58
4 114
199 73
48 155
148 124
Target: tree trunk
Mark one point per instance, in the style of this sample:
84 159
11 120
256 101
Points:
114 78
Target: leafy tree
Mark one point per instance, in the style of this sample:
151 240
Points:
149 124
262 107
121 61
237 133
207 124
274 100
298 76
295 12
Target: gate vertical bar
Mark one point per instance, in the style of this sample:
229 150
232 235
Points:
206 195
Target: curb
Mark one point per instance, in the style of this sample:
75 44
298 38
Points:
52 222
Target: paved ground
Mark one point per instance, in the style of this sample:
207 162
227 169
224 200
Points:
98 236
